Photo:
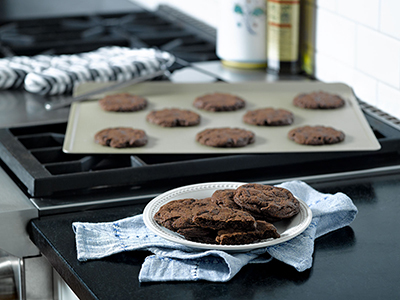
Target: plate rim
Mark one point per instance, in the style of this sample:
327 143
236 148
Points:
174 237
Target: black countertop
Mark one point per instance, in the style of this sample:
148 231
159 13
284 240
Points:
361 261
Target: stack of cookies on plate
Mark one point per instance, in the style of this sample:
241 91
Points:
231 216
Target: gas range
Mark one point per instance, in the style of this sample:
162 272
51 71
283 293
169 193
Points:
58 182
31 148
166 29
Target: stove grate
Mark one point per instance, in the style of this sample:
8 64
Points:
34 156
69 35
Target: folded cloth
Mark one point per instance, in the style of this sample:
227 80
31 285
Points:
174 262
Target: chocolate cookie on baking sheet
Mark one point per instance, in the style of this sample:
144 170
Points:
225 137
219 102
121 137
268 117
173 117
318 100
123 102
316 135
270 201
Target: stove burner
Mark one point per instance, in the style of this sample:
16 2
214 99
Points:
87 33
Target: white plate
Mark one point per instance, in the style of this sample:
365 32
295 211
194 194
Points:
287 229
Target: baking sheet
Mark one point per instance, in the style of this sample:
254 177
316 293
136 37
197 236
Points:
87 118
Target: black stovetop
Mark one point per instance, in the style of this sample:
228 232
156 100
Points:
162 29
33 155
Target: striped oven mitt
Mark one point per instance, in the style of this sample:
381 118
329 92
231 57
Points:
56 75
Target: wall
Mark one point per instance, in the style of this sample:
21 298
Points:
357 42
205 10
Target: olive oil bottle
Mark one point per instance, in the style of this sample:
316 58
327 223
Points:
283 36
307 36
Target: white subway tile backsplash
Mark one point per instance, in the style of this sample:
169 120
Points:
378 56
357 43
365 87
329 69
204 10
335 37
364 12
327 4
390 18
389 100
371 30
323 66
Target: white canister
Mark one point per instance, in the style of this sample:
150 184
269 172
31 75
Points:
241 33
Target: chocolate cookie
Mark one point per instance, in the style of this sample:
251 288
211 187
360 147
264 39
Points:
173 117
233 237
194 213
200 219
261 217
267 200
268 117
318 100
123 103
199 234
219 102
224 198
316 135
178 214
267 230
121 137
262 231
216 217
225 137
209 221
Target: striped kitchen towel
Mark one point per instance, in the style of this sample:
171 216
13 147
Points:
59 74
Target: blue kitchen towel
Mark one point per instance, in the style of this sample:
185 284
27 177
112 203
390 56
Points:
174 262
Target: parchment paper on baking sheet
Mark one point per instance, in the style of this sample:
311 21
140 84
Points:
87 118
